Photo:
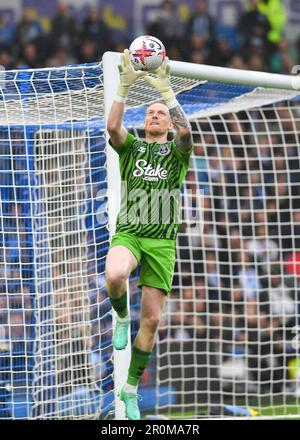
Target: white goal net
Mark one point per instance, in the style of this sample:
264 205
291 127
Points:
226 341
230 337
55 357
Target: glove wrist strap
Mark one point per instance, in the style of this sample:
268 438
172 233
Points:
170 98
123 91
120 98
173 103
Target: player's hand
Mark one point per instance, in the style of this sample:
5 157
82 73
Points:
162 81
127 74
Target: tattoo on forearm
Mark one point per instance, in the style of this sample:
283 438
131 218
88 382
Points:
182 126
178 118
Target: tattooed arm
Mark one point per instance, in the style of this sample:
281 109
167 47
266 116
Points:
183 136
181 125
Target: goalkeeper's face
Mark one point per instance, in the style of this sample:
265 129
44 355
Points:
157 120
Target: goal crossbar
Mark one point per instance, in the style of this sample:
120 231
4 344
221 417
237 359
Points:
224 74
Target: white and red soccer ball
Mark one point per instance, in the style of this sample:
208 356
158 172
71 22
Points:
147 53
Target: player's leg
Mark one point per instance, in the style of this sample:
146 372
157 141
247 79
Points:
152 306
156 279
120 262
157 268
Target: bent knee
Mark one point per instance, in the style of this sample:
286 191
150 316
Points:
151 323
115 279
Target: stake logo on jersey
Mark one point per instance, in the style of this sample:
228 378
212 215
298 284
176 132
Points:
146 170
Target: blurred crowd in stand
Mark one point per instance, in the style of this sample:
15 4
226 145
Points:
257 41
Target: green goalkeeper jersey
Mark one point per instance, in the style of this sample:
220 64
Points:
151 177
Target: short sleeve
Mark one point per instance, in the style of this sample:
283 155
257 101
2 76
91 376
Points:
126 146
183 158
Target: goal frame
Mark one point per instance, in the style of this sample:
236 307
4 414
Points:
181 69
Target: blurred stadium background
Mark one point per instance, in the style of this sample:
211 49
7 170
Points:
255 35
231 33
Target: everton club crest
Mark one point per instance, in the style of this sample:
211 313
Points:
164 150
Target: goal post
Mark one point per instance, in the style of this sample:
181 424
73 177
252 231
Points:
217 351
111 82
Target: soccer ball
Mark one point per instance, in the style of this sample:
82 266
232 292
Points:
147 53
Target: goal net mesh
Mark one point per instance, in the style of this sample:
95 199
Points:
229 334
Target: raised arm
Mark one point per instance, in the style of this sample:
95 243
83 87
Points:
117 132
183 135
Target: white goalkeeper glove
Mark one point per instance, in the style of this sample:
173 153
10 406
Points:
127 75
162 84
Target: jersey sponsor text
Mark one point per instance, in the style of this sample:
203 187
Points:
151 174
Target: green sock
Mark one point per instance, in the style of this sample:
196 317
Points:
138 364
120 305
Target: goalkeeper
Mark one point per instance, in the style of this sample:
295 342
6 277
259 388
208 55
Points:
145 166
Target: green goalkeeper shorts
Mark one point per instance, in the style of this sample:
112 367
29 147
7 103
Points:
156 256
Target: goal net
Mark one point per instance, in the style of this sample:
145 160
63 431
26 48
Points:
228 339
55 356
